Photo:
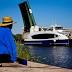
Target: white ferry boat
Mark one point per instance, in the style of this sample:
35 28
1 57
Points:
35 35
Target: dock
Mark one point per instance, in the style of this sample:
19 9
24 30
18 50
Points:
31 67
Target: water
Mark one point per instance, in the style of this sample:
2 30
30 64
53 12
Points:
56 56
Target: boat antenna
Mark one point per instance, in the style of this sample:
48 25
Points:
55 21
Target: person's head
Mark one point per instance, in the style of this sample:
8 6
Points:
8 26
7 22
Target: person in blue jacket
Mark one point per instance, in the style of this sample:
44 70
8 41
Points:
7 44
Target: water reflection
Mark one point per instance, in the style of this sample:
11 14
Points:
58 56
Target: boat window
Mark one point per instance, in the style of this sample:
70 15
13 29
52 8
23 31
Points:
51 29
44 36
57 28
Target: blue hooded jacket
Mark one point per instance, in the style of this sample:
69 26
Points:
7 44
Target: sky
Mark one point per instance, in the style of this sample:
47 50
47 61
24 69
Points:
45 12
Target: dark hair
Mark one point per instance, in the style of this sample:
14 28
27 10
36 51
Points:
8 26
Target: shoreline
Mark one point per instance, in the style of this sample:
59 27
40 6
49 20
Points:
31 67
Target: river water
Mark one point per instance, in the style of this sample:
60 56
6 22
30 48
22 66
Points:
56 56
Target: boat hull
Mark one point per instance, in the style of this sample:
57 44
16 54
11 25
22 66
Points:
66 42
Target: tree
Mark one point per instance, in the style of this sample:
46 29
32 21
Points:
18 38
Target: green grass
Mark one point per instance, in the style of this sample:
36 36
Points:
23 52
